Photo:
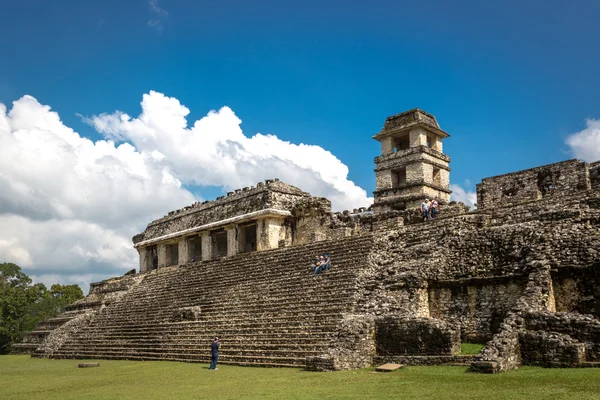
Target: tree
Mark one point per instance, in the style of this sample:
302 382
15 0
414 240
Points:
65 294
23 305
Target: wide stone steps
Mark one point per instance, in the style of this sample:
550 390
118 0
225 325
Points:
327 280
54 322
241 320
202 340
214 331
273 295
24 348
228 345
197 350
208 336
239 308
186 277
240 311
267 307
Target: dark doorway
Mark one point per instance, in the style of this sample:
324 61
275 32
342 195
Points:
195 248
172 254
249 238
219 240
153 257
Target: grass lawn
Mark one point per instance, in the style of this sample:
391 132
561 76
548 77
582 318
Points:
470 348
22 377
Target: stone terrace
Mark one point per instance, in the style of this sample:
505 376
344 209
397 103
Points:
267 308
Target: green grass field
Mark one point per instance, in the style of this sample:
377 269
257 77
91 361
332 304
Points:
22 377
470 348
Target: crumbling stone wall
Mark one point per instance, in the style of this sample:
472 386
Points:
269 194
580 328
415 336
311 217
595 175
503 352
353 346
576 289
550 349
479 305
566 177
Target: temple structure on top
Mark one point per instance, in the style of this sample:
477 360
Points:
246 220
412 165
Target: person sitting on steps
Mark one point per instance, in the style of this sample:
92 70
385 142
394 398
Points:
316 266
325 262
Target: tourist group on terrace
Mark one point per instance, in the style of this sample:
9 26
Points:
429 209
321 264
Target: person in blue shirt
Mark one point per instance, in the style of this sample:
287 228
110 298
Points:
214 354
327 261
316 266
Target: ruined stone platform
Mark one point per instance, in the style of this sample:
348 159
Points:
388 367
88 365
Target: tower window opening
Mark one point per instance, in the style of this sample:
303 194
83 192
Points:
436 177
401 143
399 177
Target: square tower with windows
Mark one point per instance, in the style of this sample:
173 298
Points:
412 165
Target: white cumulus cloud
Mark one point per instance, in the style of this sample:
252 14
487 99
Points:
585 144
69 205
465 196
215 151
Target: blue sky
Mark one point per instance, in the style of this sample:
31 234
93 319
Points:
510 81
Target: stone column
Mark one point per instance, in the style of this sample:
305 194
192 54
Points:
232 240
415 173
269 232
437 144
144 255
162 255
261 234
241 239
383 179
387 146
183 251
417 137
207 253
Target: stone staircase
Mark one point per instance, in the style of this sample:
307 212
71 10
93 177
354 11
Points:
266 307
34 339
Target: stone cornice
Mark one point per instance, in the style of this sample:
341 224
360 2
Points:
401 163
409 120
269 212
397 191
412 150
269 185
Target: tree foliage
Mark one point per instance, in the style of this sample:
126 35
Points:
23 304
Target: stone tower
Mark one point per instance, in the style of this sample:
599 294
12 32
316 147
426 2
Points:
412 165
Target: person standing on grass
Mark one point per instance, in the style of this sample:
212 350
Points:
214 354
